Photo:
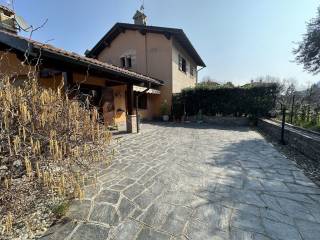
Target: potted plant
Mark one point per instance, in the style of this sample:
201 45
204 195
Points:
165 111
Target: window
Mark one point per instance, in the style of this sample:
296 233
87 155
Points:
143 101
126 62
123 62
129 62
182 64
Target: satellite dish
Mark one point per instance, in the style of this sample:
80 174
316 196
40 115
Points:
22 24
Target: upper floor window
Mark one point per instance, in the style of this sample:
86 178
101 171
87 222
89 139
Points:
123 62
126 62
182 64
129 62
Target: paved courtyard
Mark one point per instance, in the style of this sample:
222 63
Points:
182 182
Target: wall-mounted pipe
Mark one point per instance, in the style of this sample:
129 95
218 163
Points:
137 106
198 72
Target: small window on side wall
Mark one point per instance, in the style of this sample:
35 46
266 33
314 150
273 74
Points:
126 62
182 64
129 62
123 62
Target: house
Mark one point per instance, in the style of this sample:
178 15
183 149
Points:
108 87
7 22
130 72
161 53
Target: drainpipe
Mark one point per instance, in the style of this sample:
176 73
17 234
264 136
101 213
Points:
198 72
137 106
149 84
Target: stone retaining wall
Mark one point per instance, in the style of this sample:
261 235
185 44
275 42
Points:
303 141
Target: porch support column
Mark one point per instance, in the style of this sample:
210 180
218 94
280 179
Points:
131 118
130 99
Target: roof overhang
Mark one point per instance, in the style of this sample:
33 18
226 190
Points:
67 59
146 90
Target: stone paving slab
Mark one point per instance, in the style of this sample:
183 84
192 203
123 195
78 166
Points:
196 182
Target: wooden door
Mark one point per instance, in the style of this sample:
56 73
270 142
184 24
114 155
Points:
108 106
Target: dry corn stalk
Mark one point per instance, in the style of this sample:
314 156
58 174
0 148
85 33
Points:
38 170
50 135
6 183
28 166
8 223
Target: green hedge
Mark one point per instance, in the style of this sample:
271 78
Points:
253 101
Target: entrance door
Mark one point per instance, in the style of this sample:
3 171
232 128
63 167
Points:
108 106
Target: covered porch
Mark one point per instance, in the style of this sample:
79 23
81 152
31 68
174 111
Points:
112 90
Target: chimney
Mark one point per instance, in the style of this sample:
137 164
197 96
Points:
140 18
7 20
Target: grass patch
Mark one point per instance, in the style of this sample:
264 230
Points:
61 209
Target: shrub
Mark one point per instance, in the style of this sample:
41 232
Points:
61 209
48 144
164 108
256 101
178 106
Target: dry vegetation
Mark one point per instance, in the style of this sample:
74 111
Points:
48 143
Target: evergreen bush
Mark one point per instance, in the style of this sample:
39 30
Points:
252 100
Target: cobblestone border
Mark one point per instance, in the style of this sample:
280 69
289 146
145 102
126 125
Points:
310 167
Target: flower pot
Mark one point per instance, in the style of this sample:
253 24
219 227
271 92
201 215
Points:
165 118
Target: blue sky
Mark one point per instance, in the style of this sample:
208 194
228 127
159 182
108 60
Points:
238 39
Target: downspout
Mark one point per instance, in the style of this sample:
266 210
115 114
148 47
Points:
146 51
137 106
198 72
149 84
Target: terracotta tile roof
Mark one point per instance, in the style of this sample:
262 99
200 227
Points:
6 38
